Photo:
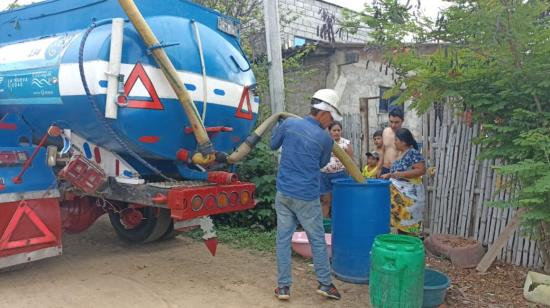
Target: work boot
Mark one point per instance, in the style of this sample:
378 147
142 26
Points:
282 293
328 291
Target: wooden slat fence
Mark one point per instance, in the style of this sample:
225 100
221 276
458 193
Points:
352 130
461 185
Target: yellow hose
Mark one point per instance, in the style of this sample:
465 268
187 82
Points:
171 75
348 162
246 147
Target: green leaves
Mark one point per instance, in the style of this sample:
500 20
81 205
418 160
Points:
390 22
540 186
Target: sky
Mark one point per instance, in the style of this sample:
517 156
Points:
431 7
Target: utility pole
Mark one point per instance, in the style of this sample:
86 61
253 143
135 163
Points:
274 56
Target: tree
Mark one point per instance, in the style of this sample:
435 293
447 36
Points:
13 5
491 57
247 11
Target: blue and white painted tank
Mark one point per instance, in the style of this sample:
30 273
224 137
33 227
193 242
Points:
40 77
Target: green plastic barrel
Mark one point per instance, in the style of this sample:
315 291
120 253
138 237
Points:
397 271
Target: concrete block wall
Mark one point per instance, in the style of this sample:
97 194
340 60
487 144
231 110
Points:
300 85
305 17
363 82
355 83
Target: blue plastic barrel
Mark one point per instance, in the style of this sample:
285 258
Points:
360 212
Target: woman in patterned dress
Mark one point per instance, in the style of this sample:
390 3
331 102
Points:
334 169
407 191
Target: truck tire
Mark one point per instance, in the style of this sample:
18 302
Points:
170 233
150 229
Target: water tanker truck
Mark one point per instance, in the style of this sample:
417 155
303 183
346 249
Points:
119 108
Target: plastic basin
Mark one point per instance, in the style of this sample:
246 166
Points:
300 244
435 288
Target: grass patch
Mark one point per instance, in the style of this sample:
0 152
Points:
263 241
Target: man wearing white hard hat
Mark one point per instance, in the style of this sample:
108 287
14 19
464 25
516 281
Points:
306 148
327 100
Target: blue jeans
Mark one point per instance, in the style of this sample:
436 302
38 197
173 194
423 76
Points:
290 211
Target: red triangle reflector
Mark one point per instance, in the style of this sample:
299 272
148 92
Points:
212 244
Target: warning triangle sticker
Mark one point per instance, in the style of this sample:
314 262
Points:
245 113
23 209
138 73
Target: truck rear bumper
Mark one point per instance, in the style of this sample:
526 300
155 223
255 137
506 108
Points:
186 199
188 203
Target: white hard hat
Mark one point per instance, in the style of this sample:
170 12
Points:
329 102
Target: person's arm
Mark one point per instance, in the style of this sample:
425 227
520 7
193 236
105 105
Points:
380 161
325 155
277 136
418 169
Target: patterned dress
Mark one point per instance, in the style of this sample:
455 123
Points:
407 195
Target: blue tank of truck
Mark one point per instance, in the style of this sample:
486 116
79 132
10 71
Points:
40 78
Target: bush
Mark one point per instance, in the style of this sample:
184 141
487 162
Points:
260 168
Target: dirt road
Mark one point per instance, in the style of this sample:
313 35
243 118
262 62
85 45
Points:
98 270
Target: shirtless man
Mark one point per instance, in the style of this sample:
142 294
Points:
388 152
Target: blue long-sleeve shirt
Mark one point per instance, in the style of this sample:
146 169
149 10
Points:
306 149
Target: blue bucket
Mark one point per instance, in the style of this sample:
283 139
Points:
360 212
435 288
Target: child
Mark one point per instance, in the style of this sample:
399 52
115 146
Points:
371 168
377 140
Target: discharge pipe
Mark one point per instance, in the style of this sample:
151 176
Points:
268 124
205 153
115 56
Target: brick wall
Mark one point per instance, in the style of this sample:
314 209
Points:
301 84
305 20
355 82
